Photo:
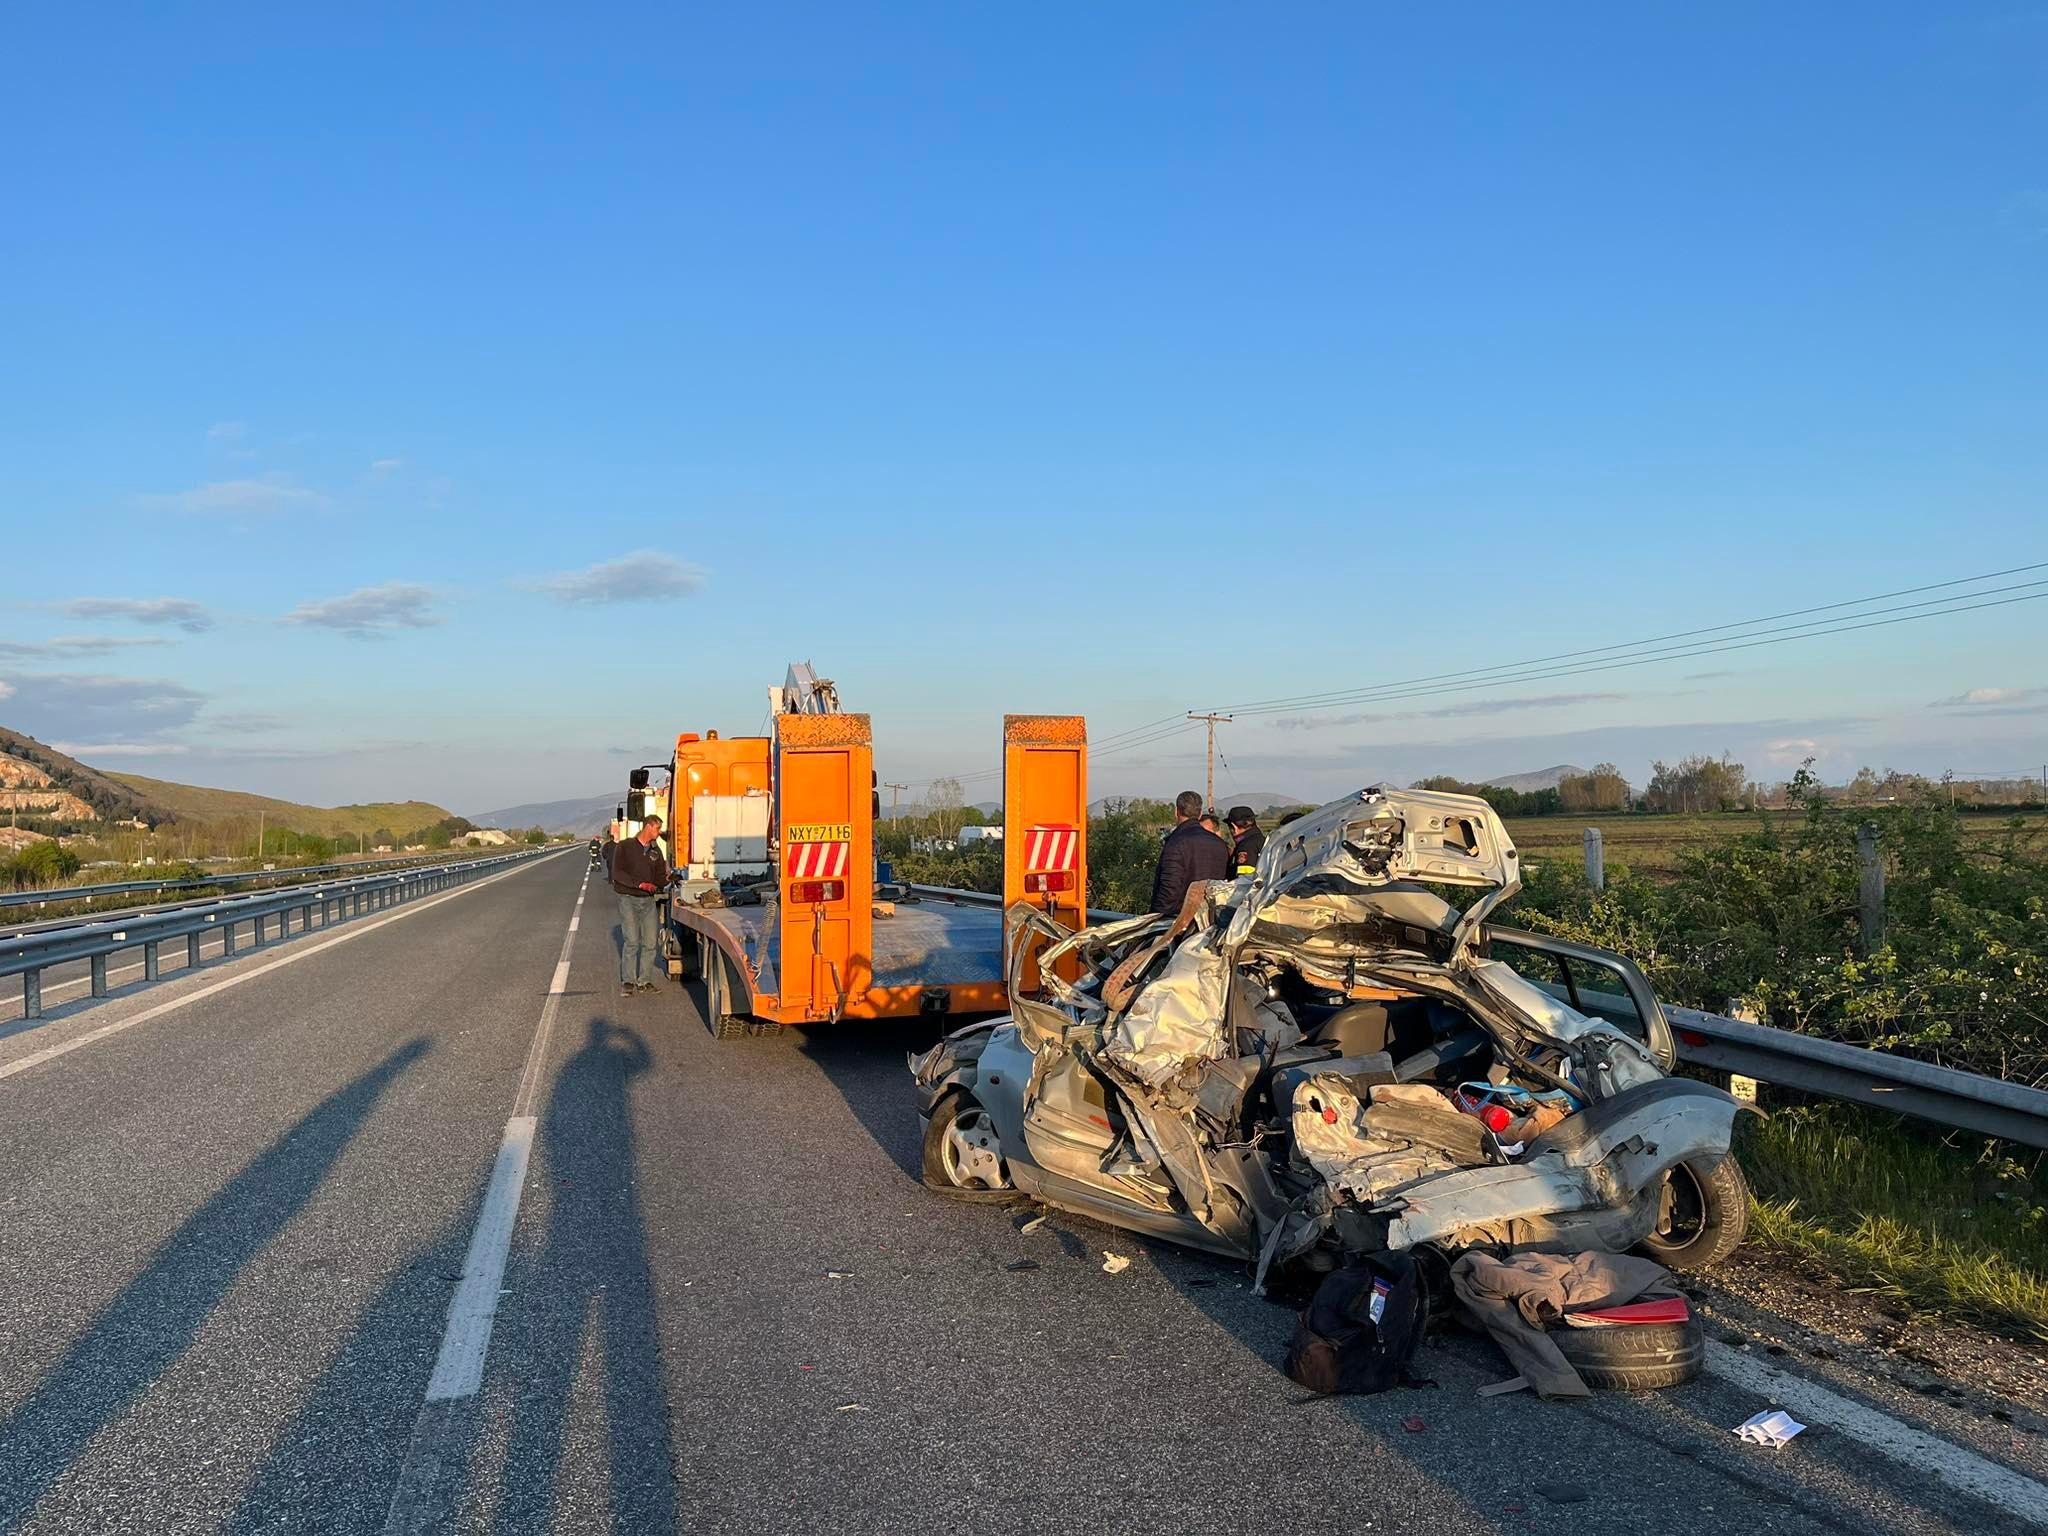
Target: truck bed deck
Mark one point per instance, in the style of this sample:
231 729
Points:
924 944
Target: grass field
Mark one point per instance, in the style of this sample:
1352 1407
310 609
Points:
1651 844
197 803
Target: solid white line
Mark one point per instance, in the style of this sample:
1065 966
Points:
1812 1403
91 1036
459 1369
561 981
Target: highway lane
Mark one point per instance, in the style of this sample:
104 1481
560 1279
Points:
233 1234
229 1229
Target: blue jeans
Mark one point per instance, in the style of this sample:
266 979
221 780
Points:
639 940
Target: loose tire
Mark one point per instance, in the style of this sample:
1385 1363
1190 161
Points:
958 1122
1634 1357
1703 1214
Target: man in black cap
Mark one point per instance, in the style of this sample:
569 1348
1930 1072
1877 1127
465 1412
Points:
639 872
1190 853
1248 841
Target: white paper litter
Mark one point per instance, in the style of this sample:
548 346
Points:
1114 1263
1034 1223
1772 1427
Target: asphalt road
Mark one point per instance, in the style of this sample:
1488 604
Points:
231 1233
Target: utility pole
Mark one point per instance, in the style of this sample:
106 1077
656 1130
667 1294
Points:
1209 794
893 791
260 813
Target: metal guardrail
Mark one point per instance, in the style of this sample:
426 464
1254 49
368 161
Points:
990 899
28 955
64 893
1962 1101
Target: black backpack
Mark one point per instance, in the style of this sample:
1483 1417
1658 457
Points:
1363 1327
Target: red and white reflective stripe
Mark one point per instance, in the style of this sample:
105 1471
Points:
1051 847
818 861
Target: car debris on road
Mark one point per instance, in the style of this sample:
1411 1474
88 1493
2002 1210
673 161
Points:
1322 1061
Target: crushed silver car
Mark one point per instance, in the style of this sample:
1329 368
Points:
1327 1056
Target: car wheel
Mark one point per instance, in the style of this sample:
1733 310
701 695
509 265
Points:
1634 1357
1702 1214
963 1156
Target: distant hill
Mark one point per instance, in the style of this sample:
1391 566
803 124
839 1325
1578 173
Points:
109 799
194 802
1542 778
574 818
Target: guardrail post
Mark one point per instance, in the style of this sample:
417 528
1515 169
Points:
99 975
191 951
31 994
306 918
227 938
150 953
1871 865
1596 859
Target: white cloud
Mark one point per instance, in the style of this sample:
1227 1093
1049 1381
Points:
180 611
370 613
82 707
386 466
1985 698
227 431
644 576
266 497
121 748
6 689
64 646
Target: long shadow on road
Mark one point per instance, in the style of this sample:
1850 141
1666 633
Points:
591 1276
151 1324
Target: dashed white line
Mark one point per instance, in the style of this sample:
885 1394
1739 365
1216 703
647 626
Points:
1962 1470
430 1462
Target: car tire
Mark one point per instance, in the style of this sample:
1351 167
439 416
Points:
1634 1357
1703 1214
956 1109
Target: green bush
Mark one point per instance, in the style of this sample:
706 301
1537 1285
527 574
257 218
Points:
1768 919
39 865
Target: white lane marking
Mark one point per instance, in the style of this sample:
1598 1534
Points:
92 1036
425 1474
459 1369
1963 1470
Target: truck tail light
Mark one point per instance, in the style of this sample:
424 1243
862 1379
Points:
817 890
1049 880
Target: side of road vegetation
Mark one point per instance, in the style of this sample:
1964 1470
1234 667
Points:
1761 915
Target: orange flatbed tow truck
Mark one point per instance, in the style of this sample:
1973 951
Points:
774 837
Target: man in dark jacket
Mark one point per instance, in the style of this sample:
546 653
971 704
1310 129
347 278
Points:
639 872
1249 842
1190 853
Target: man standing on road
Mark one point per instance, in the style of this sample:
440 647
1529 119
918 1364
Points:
1190 853
1249 842
639 875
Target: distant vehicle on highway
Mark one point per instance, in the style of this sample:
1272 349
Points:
1326 1056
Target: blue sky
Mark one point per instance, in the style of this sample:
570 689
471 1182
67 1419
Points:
1120 360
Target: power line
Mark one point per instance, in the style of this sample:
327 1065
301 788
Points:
1683 634
1392 692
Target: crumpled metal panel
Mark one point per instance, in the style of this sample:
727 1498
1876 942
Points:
1178 1017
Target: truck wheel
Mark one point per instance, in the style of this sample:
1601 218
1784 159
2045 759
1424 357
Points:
1702 1214
1634 1357
963 1156
725 1024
